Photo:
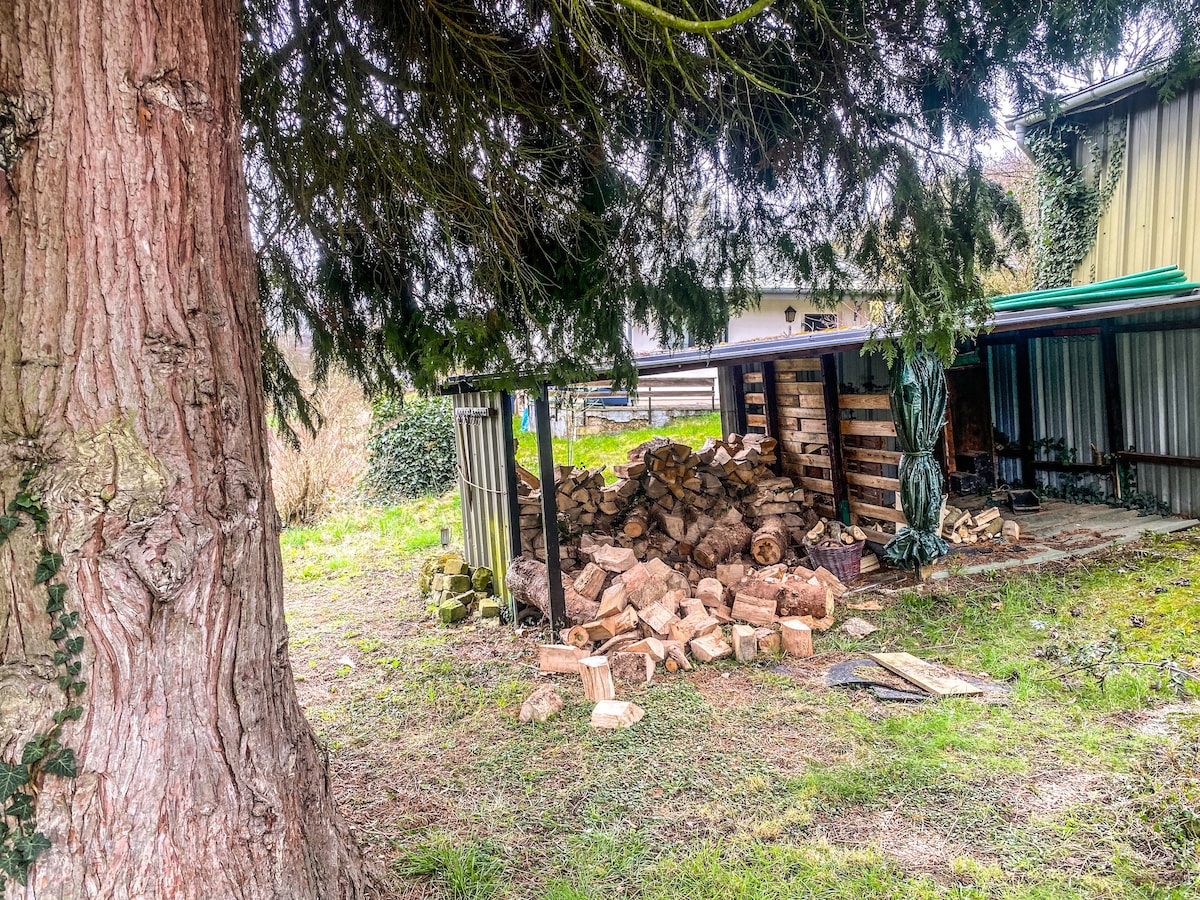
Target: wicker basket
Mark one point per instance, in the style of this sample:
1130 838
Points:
843 560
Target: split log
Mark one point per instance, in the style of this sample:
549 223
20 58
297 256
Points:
745 644
798 598
677 660
615 559
541 705
634 668
710 647
658 619
616 714
560 659
590 582
797 638
722 541
711 592
770 543
529 584
620 642
769 642
597 679
612 601
652 647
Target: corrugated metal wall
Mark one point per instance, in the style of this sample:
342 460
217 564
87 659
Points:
1068 396
1154 217
1002 376
480 433
1160 388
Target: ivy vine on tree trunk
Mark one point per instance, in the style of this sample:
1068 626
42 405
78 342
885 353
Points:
43 754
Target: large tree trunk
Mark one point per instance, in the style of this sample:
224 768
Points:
129 365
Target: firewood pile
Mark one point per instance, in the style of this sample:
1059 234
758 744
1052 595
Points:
962 527
627 619
672 502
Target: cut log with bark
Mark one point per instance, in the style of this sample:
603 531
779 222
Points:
755 610
597 679
528 583
722 541
652 647
797 638
541 705
770 542
637 523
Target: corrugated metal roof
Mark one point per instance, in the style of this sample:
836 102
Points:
834 340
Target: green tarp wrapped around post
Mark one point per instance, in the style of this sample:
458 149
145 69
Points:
918 400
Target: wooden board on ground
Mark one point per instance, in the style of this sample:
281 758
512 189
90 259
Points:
926 675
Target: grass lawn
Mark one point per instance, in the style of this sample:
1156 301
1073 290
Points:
756 781
592 450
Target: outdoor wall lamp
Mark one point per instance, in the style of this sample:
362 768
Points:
789 315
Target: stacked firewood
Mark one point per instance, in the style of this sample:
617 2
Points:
626 618
668 498
963 527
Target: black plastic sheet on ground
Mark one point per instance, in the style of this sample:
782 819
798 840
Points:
918 400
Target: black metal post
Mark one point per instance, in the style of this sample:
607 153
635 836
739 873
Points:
558 598
510 480
833 426
1113 415
1025 409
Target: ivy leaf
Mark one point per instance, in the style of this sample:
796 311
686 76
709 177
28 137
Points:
64 682
57 592
12 778
34 750
69 620
8 523
11 864
57 634
75 644
62 763
75 712
74 667
21 806
78 687
31 846
47 567
60 658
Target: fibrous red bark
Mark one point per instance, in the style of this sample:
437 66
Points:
130 366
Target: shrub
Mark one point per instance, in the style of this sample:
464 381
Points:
411 449
310 479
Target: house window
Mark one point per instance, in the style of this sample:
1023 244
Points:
819 321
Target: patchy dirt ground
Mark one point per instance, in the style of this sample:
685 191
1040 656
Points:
759 781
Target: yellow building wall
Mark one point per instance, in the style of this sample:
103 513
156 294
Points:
1154 217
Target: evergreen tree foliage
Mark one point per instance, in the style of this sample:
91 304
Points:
467 185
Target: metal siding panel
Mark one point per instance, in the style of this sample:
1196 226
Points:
483 485
1002 376
1154 216
1068 395
1160 387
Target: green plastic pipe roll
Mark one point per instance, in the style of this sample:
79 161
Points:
1089 289
1102 296
1167 275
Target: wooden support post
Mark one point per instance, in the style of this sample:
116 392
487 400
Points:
833 427
558 599
1025 408
1113 415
